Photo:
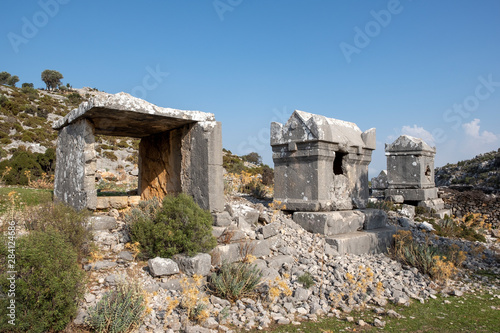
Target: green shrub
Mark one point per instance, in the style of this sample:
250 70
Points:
75 98
3 100
145 211
49 283
123 144
30 109
20 162
132 158
178 226
118 311
110 155
235 280
306 279
18 127
27 136
267 175
65 220
255 188
23 160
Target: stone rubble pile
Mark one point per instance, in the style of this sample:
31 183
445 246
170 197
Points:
285 252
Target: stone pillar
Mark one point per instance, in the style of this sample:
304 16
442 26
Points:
202 165
160 164
74 181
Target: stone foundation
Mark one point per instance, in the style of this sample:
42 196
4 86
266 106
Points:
351 231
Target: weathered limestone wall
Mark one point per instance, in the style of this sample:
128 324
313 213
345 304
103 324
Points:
75 168
305 178
202 165
160 164
297 174
410 170
357 170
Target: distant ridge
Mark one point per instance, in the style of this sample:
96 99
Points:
481 172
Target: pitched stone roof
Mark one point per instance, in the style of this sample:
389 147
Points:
124 115
406 143
303 126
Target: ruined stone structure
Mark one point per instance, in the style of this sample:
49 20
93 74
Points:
180 151
321 173
321 164
379 185
410 173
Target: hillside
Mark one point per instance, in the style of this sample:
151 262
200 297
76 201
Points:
27 139
26 119
480 172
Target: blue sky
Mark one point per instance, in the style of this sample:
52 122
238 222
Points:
425 68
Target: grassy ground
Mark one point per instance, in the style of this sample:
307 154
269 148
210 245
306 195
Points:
27 197
470 313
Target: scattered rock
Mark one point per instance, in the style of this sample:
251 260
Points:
102 222
199 264
393 314
378 323
270 230
222 219
162 267
426 226
126 256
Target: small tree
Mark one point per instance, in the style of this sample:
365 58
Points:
252 158
4 77
51 78
27 85
13 80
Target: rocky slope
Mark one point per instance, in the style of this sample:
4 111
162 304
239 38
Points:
27 116
481 172
286 252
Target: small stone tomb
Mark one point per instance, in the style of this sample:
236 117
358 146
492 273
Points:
179 151
321 173
410 173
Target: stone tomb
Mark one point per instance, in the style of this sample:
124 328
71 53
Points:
410 173
321 164
179 151
321 173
